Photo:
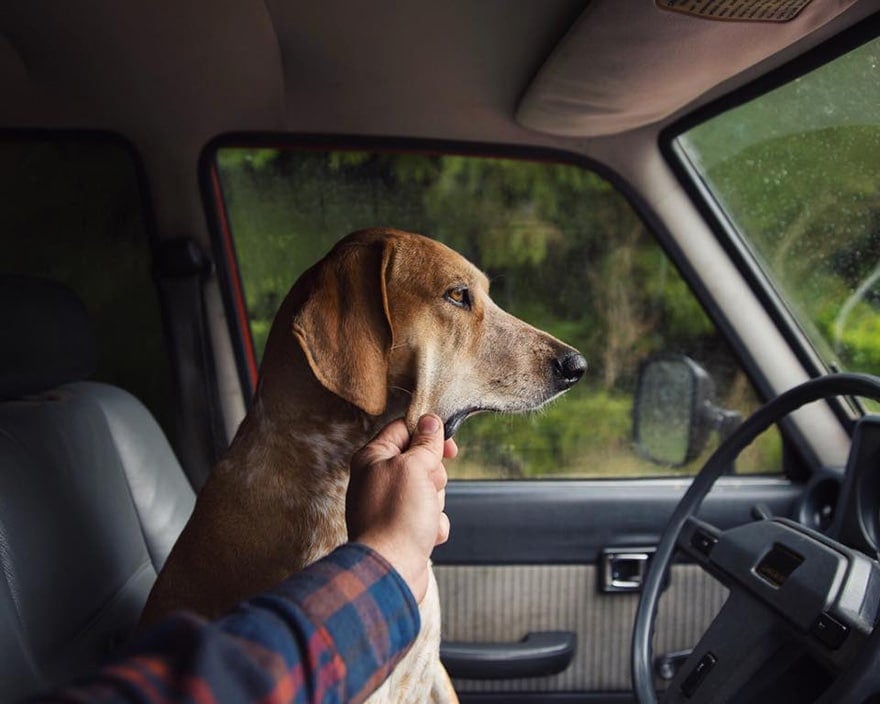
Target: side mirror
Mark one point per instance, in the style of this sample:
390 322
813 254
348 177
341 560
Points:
673 411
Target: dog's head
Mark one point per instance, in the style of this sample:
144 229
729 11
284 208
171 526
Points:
389 310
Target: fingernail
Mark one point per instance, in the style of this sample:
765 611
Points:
429 424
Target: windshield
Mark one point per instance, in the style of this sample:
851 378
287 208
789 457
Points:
796 173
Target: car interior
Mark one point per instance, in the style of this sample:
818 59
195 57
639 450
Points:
688 191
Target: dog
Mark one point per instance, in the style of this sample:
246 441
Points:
389 324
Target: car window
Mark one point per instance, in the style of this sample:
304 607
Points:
564 251
72 210
796 174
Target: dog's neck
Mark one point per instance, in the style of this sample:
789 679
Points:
297 426
291 454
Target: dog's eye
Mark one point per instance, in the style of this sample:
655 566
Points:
459 296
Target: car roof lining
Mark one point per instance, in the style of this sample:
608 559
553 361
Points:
181 74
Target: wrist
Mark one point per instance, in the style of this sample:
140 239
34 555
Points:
413 569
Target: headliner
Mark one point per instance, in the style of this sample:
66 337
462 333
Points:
164 71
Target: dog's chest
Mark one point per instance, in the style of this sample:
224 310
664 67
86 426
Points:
309 470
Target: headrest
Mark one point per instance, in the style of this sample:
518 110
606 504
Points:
46 336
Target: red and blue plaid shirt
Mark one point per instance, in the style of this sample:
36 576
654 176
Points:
332 633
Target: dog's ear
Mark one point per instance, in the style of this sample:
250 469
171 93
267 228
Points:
344 326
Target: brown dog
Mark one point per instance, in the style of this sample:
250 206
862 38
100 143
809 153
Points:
388 324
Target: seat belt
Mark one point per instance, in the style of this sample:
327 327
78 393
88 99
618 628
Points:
180 269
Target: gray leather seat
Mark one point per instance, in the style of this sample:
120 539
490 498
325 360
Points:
91 495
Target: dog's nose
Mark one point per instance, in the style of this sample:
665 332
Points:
568 369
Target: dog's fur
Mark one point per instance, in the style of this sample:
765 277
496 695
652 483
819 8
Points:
380 328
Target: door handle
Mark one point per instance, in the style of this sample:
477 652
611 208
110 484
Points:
623 569
538 654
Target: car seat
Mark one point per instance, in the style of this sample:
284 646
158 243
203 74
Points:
92 497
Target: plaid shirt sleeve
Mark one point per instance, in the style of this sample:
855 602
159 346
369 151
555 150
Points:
332 633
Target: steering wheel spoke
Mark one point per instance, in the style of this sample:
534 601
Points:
743 636
791 597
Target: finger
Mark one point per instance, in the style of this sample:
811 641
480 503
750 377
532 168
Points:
443 529
450 449
441 495
438 476
389 442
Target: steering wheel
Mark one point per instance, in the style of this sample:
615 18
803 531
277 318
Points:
794 592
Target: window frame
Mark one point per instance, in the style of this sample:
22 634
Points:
232 287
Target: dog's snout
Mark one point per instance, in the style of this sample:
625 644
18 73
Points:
568 368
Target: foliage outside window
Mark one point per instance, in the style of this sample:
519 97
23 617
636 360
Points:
564 251
797 172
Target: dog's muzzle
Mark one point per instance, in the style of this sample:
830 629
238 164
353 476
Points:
566 370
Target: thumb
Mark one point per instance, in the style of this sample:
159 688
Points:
428 436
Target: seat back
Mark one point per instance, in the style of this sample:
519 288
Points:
91 495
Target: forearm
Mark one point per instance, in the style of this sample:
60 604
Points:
331 633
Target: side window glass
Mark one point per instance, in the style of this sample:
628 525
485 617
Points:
564 251
72 211
795 174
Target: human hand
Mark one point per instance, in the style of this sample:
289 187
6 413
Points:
396 496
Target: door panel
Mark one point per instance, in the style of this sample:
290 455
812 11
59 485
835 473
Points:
526 557
504 603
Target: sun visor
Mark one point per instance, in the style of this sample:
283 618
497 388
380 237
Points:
629 63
